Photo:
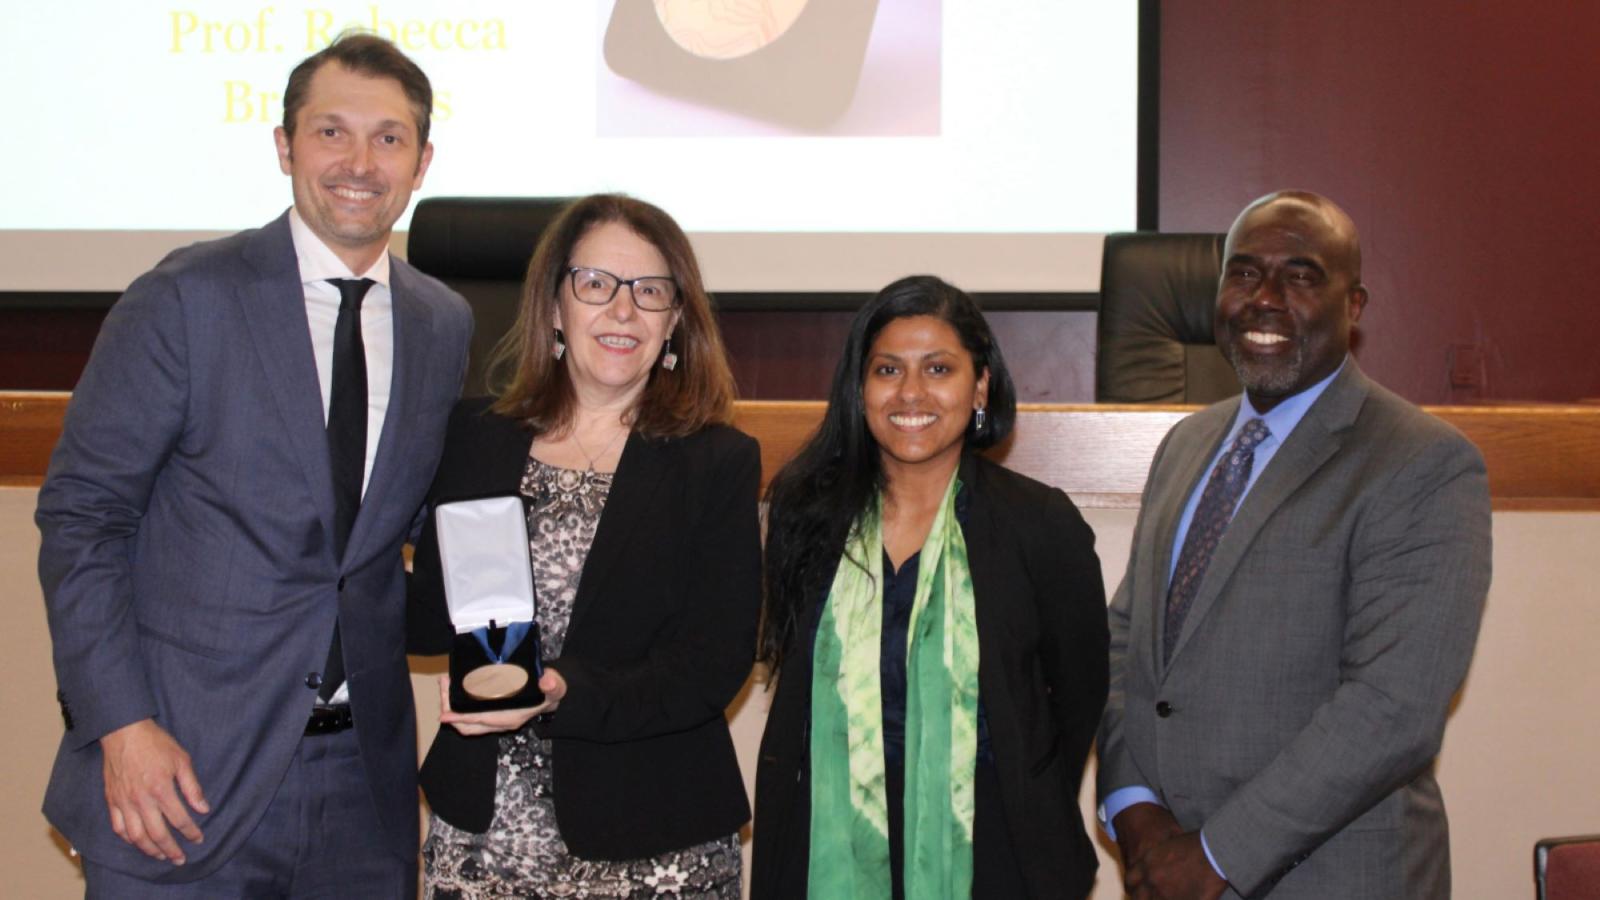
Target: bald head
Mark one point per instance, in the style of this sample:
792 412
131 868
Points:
1315 213
1290 294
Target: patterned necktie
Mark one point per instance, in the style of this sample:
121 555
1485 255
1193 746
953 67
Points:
1211 517
347 440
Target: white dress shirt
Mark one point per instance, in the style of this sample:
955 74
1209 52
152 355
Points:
317 265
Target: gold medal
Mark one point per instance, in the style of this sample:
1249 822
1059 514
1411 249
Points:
495 682
726 30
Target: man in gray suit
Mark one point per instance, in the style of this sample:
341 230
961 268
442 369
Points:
1307 577
222 524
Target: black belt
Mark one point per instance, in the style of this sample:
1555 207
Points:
329 719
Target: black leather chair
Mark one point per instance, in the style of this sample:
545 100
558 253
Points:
480 246
1567 868
1157 293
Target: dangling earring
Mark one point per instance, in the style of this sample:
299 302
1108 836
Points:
669 360
979 418
560 349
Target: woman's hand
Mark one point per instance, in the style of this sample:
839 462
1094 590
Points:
499 720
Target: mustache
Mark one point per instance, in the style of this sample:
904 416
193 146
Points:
1275 322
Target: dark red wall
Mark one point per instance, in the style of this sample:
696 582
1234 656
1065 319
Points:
1464 138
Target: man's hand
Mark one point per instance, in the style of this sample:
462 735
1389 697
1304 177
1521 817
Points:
1140 828
142 762
551 683
1175 869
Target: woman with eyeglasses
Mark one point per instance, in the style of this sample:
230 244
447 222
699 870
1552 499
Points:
644 540
937 626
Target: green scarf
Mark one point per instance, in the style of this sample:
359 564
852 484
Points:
849 818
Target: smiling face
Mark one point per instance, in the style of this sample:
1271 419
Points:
354 160
611 349
1290 295
919 389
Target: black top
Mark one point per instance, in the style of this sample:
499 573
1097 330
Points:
661 639
899 594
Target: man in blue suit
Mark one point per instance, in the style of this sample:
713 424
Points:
222 524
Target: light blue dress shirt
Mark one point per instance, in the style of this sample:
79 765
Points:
1281 422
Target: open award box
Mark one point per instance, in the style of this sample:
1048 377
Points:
488 585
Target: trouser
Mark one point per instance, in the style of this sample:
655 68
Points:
320 838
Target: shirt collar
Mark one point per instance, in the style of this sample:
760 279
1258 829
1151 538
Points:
1282 419
318 262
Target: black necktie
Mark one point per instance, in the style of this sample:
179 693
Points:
347 440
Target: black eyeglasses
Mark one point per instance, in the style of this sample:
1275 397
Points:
597 287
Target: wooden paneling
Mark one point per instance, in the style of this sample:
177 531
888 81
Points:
783 353
30 422
790 355
1540 457
1098 454
46 349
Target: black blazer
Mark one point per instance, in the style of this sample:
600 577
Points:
1042 674
660 641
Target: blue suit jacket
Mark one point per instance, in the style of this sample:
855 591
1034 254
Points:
187 560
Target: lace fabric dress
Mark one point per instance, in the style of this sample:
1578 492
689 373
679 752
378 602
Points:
522 854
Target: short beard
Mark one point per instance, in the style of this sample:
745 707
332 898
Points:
1265 379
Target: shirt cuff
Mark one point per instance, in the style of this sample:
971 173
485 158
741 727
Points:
1122 798
1211 859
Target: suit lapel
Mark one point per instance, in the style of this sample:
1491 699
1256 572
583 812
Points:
640 474
274 306
1318 436
1192 460
413 335
990 590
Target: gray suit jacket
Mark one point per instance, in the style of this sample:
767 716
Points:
186 559
1305 700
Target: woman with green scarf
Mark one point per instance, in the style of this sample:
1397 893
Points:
936 624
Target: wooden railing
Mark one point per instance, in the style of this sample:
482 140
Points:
1539 457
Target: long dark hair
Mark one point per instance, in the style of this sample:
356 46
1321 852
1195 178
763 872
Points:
813 500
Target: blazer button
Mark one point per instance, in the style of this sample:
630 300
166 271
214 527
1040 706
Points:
341 582
1163 709
313 680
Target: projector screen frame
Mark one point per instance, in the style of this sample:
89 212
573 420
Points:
1148 184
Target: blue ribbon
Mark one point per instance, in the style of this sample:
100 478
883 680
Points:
515 632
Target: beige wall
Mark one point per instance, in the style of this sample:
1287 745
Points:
1517 762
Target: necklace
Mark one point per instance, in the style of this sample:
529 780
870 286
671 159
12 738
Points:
603 451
